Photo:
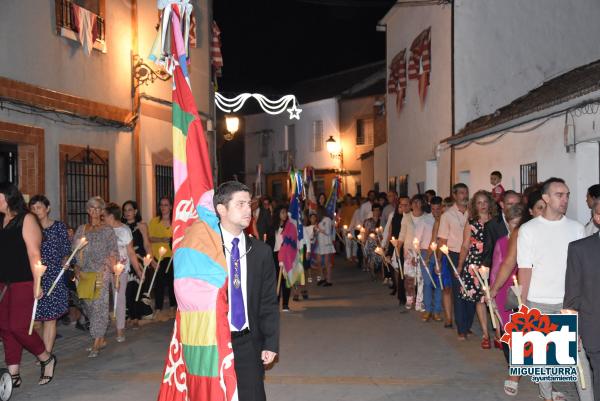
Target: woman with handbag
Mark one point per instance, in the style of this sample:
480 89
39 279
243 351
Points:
20 243
94 270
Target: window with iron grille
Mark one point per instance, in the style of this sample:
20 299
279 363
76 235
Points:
317 136
364 131
86 175
163 177
528 175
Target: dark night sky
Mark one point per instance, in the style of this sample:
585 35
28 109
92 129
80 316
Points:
269 45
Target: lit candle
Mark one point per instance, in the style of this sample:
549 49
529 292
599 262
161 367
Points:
484 275
372 235
517 289
444 249
433 247
117 270
38 272
82 242
345 227
161 252
358 227
147 260
416 245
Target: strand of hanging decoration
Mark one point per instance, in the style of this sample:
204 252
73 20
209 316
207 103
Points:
269 106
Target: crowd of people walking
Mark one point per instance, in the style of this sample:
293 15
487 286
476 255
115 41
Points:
86 267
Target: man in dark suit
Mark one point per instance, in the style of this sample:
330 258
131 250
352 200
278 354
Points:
497 228
253 307
581 294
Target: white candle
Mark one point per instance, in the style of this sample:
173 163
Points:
147 260
445 251
82 242
161 252
433 247
38 272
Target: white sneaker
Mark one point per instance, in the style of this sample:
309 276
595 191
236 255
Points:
318 278
309 280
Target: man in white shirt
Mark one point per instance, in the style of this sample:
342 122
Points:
366 208
450 233
593 193
423 227
542 248
253 307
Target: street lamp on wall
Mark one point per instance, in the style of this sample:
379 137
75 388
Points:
232 124
333 148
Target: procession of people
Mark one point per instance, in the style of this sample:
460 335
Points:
447 259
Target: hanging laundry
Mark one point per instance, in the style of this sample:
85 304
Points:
84 22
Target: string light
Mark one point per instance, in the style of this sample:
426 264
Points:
273 107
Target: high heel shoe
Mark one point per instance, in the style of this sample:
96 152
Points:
497 343
43 365
485 343
16 380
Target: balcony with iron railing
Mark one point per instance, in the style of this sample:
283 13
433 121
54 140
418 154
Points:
66 27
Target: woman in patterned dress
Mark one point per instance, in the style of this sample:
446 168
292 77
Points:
482 208
98 256
56 246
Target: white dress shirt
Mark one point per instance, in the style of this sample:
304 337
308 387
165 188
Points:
227 241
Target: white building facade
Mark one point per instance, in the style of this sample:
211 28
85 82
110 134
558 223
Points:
74 125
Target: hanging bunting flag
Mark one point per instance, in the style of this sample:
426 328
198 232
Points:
199 364
419 65
397 79
215 50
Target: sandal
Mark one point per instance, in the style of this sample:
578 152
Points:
43 365
511 387
497 343
485 343
16 380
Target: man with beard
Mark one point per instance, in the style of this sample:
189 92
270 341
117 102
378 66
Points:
253 307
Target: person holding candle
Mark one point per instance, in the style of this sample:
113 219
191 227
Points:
94 270
374 262
439 270
160 236
542 255
346 215
428 291
451 233
136 310
482 209
127 257
20 244
325 247
264 222
56 246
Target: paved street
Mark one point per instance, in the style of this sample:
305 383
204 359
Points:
347 342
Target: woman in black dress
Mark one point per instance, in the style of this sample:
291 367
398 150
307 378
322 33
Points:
141 245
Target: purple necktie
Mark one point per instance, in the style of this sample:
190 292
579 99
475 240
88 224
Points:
238 316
